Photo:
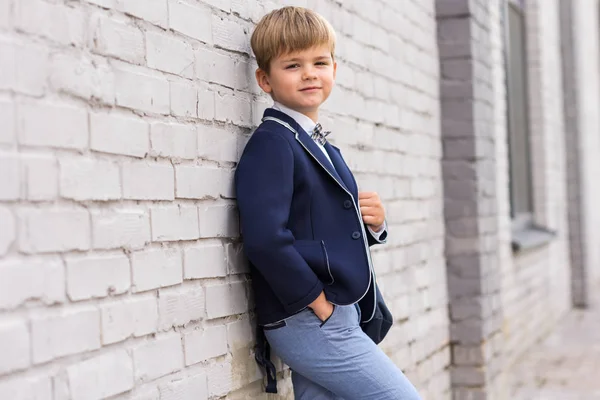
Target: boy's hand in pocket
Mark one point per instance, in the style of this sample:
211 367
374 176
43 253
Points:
321 307
372 210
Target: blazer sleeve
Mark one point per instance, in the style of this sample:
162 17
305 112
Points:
264 187
379 237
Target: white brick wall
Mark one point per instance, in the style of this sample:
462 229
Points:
121 269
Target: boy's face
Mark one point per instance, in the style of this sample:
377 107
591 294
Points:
301 80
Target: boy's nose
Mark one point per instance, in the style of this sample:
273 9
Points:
309 73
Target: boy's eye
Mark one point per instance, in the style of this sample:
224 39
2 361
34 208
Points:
292 66
322 63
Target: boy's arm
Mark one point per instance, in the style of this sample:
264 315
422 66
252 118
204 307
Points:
264 188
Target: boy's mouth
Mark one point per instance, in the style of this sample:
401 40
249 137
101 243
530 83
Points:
310 89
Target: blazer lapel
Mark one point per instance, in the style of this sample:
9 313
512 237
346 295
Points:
311 147
341 168
307 143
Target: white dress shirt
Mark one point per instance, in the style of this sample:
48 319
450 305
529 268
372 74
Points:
308 125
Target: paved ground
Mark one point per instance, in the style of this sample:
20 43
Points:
565 366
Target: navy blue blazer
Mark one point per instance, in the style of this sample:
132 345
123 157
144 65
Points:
301 223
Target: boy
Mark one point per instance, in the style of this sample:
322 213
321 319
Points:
306 228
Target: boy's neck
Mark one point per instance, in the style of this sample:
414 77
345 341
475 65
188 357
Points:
312 114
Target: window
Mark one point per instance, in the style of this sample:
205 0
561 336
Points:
518 122
526 234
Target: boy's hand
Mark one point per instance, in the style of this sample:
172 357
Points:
321 307
372 210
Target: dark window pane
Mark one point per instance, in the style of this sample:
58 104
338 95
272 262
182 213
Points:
520 170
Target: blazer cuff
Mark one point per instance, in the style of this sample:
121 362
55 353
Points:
306 300
380 236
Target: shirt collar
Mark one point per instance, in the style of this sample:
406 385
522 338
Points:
305 123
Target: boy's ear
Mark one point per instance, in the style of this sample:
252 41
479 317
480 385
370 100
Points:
334 70
263 80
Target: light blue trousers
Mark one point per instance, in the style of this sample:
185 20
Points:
336 360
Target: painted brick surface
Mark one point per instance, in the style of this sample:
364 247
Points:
123 123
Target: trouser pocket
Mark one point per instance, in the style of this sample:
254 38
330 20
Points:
328 318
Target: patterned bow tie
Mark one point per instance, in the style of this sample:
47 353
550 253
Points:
318 135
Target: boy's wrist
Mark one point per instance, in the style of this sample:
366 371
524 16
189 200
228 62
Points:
318 301
378 229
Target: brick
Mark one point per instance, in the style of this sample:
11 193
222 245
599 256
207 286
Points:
26 388
230 34
70 230
93 277
143 181
174 223
173 140
202 345
9 177
228 183
221 68
218 221
117 39
39 177
156 268
144 311
468 355
169 54
52 125
102 376
7 119
206 103
233 108
240 334
8 65
137 316
220 379
86 179
73 331
204 261
14 346
5 14
225 300
180 306
153 11
141 91
128 229
184 99
59 23
158 357
31 69
189 388
88 78
193 21
119 134
467 376
9 230
198 182
27 279
237 263
218 144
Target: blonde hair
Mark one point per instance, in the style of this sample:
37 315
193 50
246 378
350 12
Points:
287 30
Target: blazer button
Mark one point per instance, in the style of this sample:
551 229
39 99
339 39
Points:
347 204
355 235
